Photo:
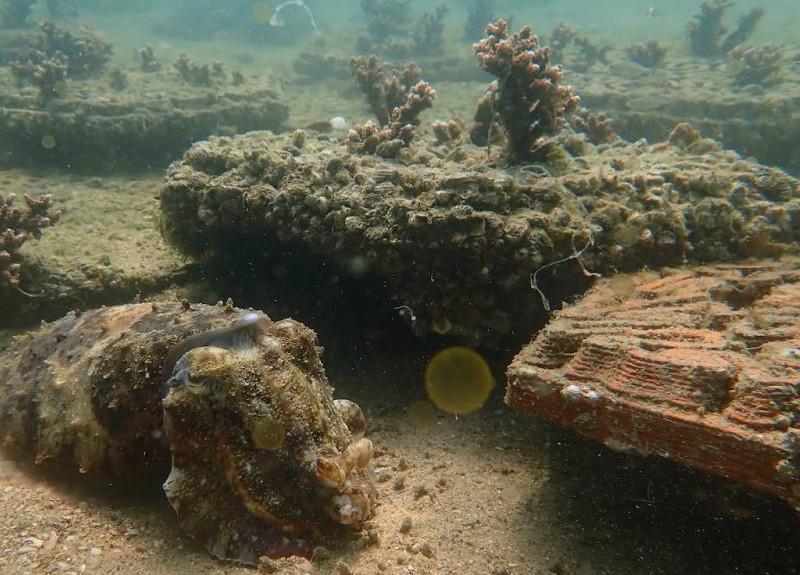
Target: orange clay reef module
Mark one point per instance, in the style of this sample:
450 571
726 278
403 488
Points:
232 411
698 365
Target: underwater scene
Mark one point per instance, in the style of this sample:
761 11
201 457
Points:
393 287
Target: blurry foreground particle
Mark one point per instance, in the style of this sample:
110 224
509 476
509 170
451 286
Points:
458 380
48 142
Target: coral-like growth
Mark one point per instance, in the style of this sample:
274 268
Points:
399 131
428 33
147 59
650 54
480 14
419 98
48 73
87 52
708 35
760 65
393 31
449 132
595 125
118 79
16 225
590 53
385 17
560 39
385 142
744 29
191 73
706 28
530 100
585 53
15 13
57 53
385 90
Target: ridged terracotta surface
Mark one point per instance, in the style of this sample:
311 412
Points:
698 365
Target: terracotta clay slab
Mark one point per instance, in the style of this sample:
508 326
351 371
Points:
698 365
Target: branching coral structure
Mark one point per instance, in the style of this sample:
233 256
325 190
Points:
530 100
396 98
650 54
708 35
385 90
48 73
17 224
56 54
760 65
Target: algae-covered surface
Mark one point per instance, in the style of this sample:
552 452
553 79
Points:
493 492
105 249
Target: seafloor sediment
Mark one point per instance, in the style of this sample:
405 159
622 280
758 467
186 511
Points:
104 249
697 365
466 247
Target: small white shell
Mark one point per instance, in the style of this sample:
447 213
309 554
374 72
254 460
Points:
339 123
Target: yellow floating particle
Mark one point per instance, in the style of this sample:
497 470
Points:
458 380
262 12
48 142
421 413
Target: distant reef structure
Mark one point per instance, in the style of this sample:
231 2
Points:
60 104
16 13
392 30
726 103
710 37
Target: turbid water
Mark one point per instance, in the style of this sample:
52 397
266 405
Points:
98 126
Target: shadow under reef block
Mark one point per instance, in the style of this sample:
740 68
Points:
458 244
761 119
89 126
698 365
